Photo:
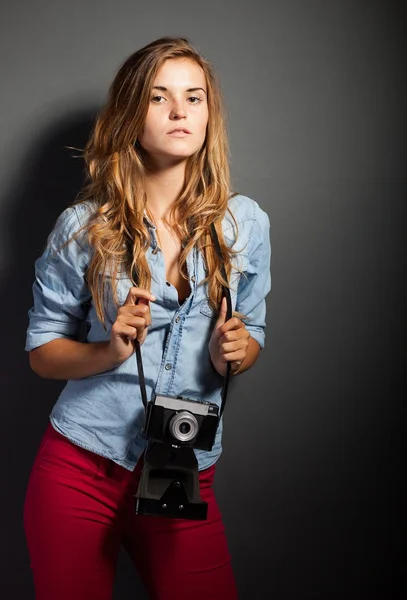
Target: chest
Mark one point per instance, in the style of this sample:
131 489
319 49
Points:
170 247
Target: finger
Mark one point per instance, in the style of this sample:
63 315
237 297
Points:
141 334
142 338
230 347
222 314
137 325
232 335
124 331
135 294
137 322
135 310
238 355
145 305
235 365
231 324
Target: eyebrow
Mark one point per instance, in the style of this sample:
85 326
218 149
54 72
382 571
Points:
164 89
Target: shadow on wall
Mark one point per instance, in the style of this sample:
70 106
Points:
48 180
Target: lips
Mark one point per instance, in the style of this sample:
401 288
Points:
179 130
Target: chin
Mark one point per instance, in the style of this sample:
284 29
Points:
177 156
161 155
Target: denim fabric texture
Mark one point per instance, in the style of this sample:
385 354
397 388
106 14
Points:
104 413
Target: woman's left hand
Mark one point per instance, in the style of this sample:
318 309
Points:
229 342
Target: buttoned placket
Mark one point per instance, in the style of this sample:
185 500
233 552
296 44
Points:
167 370
168 365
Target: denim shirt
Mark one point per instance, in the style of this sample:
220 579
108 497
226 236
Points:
104 412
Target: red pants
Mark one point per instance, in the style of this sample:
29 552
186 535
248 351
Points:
79 510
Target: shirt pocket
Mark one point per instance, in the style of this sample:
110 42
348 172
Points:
207 310
123 284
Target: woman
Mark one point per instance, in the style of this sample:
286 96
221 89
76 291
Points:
134 259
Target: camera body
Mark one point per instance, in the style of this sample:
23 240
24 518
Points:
182 422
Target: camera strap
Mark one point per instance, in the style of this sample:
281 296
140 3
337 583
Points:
226 292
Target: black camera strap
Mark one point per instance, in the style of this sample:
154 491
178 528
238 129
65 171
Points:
226 292
141 378
229 312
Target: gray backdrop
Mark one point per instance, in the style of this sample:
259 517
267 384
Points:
311 479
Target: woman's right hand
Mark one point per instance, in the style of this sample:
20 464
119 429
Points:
133 319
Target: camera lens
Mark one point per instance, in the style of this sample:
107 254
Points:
183 426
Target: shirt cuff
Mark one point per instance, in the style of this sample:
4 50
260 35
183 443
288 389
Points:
257 333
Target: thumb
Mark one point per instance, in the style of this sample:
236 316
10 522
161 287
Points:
136 294
143 301
222 314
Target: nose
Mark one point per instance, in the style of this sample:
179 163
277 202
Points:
177 111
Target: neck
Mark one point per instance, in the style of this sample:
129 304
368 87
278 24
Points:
163 187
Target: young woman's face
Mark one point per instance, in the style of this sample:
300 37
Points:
177 117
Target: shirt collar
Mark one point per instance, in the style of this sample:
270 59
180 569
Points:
148 222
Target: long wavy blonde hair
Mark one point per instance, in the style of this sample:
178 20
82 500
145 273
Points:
117 170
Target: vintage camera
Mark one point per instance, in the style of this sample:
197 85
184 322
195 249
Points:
182 422
169 482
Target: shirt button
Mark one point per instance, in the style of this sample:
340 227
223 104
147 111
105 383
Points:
193 278
178 319
168 367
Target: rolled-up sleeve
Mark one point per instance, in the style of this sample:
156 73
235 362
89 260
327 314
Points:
255 281
60 291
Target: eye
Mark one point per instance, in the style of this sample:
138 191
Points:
194 99
157 99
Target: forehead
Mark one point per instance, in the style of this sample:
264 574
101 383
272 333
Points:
180 73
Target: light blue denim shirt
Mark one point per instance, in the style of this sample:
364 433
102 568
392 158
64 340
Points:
104 413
